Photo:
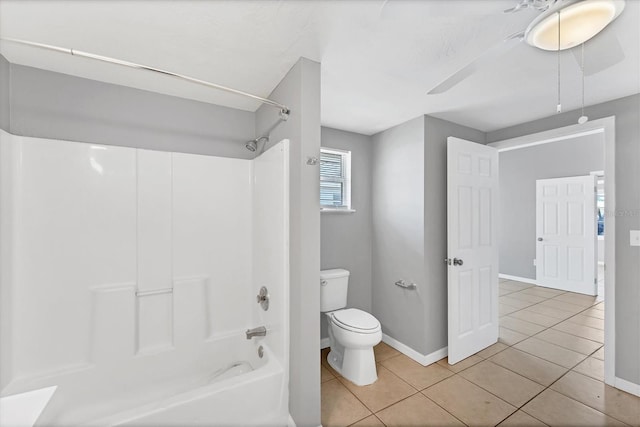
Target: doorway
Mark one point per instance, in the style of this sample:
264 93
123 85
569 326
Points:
601 229
604 128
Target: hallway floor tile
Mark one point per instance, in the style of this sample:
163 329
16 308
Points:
546 369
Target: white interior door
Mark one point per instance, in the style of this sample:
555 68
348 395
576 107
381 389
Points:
566 234
472 208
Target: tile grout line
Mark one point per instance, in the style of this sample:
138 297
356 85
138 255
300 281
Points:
569 397
382 409
520 408
551 327
356 397
439 406
412 395
564 374
350 392
576 372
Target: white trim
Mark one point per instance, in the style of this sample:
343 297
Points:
610 252
422 359
335 150
324 343
337 210
518 279
627 386
291 423
607 126
547 137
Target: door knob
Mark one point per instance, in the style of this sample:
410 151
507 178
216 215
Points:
457 261
539 239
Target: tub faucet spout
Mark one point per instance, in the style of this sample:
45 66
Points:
260 331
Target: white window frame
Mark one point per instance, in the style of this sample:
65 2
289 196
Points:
345 180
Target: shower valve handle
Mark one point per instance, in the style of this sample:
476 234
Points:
263 298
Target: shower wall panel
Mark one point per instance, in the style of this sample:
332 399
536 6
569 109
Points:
213 238
113 256
74 241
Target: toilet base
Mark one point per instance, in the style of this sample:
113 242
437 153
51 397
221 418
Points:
358 365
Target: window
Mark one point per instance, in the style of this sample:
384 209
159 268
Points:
335 179
600 205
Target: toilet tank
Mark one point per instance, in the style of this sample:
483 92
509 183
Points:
333 289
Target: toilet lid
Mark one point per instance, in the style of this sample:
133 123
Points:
352 318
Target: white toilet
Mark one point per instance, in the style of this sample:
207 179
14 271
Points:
352 332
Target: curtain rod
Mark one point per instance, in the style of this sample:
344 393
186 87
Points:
284 110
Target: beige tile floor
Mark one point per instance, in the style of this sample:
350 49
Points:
546 369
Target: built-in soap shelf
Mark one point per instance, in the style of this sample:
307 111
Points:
154 292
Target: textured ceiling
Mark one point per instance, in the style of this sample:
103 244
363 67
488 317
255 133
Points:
379 58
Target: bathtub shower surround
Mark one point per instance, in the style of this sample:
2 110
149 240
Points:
129 278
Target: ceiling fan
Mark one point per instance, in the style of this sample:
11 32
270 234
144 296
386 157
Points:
577 21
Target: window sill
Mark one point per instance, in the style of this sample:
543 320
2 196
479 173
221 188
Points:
337 210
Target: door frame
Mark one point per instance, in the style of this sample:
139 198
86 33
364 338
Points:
606 126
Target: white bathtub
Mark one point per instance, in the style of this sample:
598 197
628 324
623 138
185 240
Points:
253 398
213 395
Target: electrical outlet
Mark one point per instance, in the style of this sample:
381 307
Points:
634 237
535 263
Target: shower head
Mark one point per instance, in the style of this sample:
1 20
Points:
253 144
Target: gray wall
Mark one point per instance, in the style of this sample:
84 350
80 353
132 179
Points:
409 195
300 91
5 93
346 238
435 224
45 104
519 170
627 115
398 232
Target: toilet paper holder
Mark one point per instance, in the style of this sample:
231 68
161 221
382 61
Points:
401 283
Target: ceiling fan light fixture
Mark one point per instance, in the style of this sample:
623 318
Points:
580 20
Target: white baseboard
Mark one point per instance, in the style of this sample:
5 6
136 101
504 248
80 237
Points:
518 279
627 386
423 359
324 343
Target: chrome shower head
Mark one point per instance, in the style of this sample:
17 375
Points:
252 145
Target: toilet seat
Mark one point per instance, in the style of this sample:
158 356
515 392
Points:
354 320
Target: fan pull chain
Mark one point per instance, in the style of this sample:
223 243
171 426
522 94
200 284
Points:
559 106
583 119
